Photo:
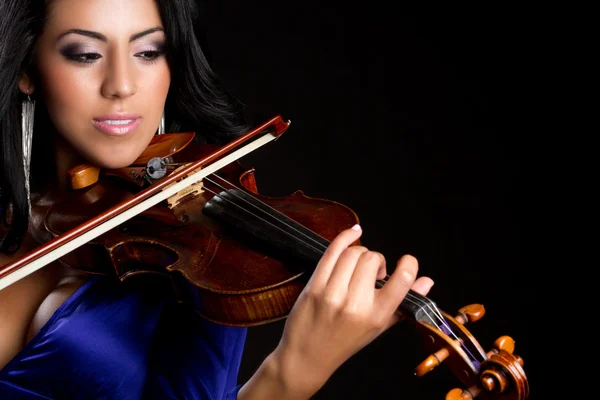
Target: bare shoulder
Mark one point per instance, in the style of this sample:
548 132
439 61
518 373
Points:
20 301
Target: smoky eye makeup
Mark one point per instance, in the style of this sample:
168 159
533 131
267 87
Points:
150 51
146 49
80 52
158 46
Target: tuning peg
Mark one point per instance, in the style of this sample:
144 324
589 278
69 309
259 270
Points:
83 175
470 313
507 344
459 394
431 362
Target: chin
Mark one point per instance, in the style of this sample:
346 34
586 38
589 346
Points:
114 153
114 161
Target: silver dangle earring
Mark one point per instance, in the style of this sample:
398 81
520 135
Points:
161 126
27 117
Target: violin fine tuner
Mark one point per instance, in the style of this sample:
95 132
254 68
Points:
499 376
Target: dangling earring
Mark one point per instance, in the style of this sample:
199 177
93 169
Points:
161 126
27 117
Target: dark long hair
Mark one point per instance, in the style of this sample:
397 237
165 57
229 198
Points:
196 101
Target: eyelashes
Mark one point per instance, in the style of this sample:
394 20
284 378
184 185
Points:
78 53
86 55
151 55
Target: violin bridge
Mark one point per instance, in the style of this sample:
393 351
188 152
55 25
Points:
190 191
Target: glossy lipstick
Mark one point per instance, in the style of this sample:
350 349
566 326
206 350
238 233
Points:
117 124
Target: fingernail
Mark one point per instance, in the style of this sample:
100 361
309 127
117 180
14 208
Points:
356 227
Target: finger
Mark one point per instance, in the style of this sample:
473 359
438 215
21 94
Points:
382 272
339 280
327 262
362 284
399 283
422 285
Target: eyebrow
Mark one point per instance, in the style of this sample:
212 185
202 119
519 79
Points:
99 36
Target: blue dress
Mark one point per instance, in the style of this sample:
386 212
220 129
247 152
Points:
115 341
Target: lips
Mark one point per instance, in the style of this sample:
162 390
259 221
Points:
117 125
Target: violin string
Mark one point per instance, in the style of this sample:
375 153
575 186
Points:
428 303
322 249
318 250
421 301
274 210
435 312
413 297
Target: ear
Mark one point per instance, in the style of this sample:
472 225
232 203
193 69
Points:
26 85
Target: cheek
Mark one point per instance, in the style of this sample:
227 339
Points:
154 85
67 96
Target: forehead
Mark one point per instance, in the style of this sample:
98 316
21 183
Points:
110 17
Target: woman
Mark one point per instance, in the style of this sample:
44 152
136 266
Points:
91 81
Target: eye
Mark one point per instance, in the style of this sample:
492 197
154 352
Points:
85 58
150 55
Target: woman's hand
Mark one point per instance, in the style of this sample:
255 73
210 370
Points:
340 311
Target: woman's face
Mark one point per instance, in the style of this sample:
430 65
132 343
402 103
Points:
104 76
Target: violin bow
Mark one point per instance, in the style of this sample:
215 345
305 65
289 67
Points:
150 196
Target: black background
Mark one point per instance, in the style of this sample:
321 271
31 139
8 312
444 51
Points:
411 117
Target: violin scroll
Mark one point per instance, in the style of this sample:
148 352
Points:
501 376
494 375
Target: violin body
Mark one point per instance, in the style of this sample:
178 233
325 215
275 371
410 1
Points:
228 279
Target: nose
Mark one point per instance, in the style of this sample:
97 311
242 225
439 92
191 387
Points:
119 80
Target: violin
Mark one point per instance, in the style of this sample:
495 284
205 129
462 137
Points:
192 214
